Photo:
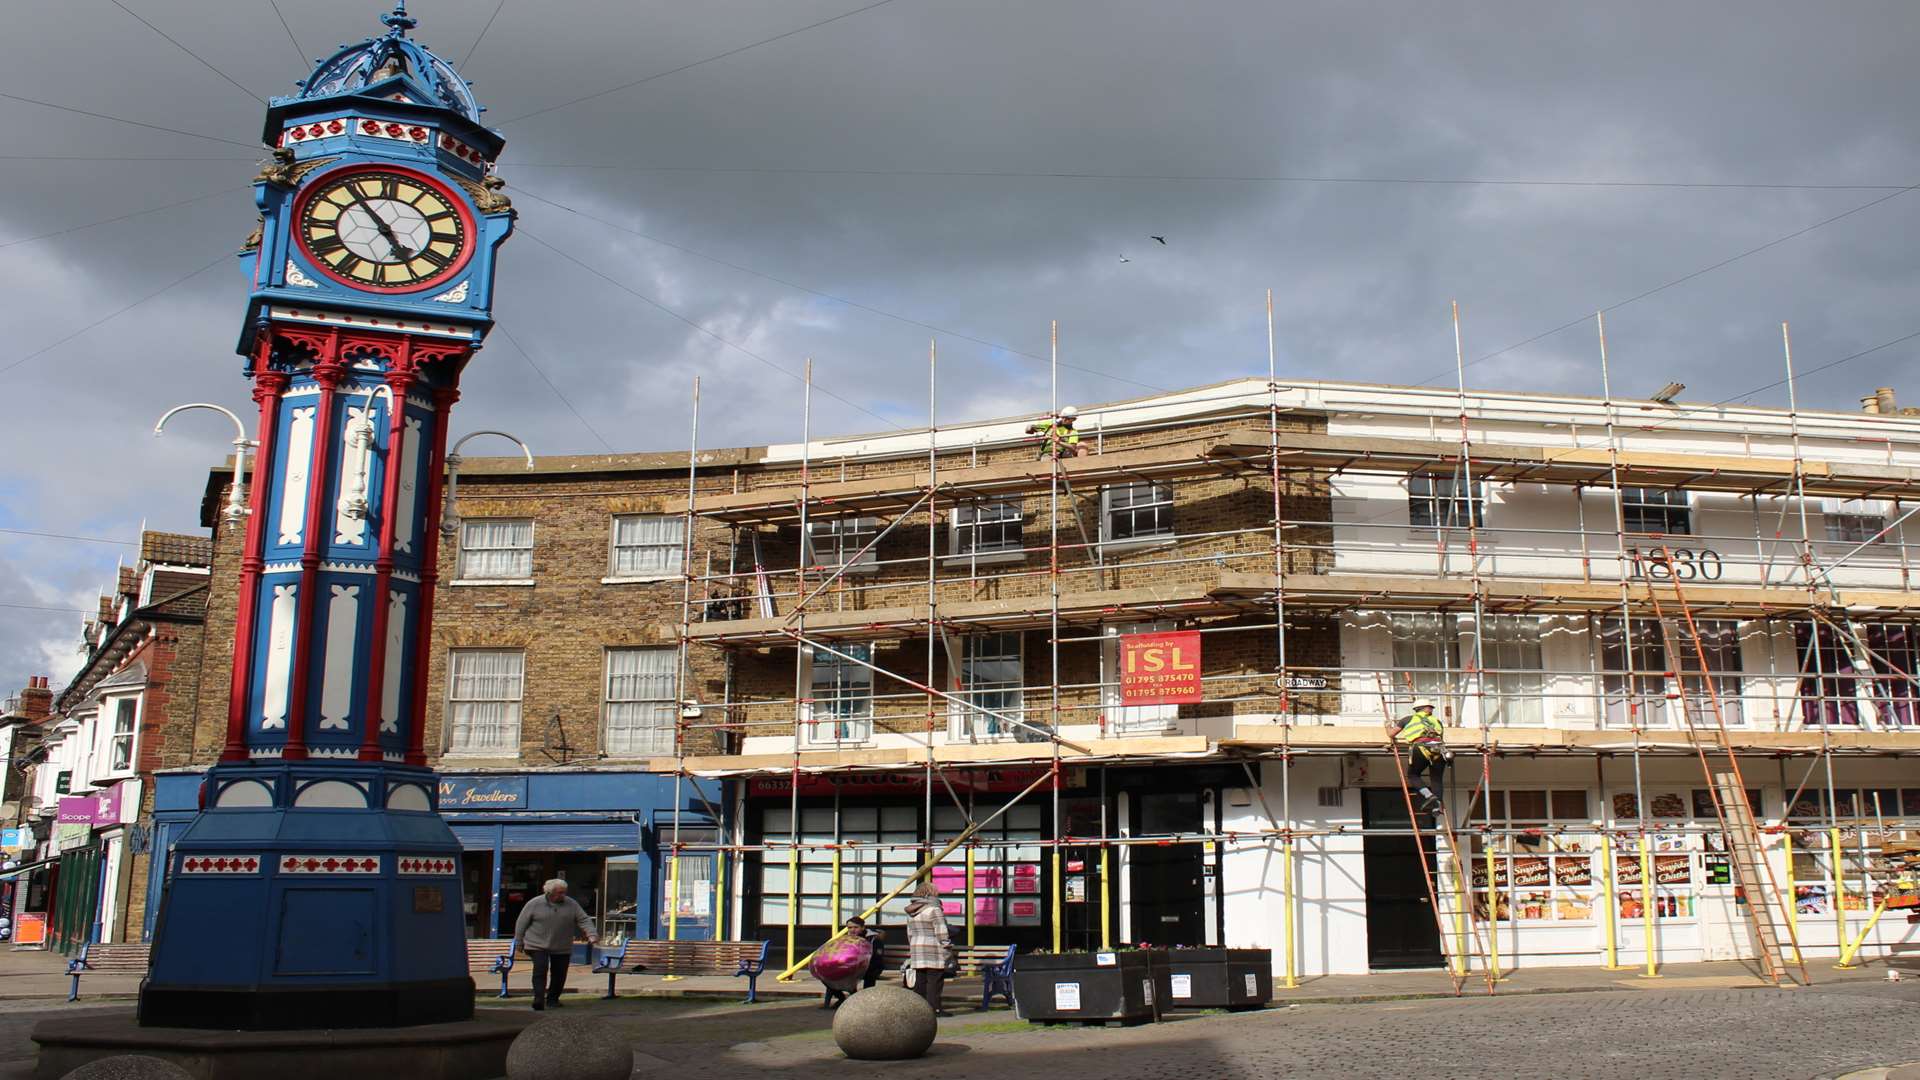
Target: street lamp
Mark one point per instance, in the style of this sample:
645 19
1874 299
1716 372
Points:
449 523
237 494
360 438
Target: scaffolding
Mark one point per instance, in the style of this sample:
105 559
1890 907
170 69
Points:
1279 576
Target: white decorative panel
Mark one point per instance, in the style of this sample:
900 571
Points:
336 695
273 706
293 497
409 472
350 511
390 677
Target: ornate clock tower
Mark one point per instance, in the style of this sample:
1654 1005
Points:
319 886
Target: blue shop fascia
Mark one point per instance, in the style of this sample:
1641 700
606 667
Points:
607 833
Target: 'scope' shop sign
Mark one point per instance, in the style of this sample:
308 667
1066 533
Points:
483 793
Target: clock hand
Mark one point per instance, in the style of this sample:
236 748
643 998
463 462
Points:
386 231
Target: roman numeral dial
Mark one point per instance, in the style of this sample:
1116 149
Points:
384 230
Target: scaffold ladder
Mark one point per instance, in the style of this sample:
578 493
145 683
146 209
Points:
1767 912
1460 942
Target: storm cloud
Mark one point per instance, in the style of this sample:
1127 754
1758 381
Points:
979 167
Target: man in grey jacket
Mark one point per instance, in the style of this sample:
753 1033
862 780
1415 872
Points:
546 930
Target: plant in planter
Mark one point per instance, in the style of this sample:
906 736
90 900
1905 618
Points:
1125 985
1214 978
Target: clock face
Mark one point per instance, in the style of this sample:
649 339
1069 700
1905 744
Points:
384 229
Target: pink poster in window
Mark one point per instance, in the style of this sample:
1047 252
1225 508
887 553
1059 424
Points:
986 911
987 877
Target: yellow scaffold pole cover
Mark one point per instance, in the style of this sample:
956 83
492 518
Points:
1793 894
1835 858
1288 901
1493 914
1646 906
1106 910
970 903
673 902
1613 908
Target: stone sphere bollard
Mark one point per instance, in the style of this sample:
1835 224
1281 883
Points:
569 1048
884 1023
129 1067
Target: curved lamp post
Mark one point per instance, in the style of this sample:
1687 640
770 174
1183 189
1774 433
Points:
359 448
237 494
449 523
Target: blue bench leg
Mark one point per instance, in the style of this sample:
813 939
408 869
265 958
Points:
611 972
73 993
753 987
503 984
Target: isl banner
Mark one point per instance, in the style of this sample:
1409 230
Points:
1160 669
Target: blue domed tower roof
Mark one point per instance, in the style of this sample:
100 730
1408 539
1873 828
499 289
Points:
375 60
392 67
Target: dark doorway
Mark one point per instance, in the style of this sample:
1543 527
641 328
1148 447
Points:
1401 932
1167 880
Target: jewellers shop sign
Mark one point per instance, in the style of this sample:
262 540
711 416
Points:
483 793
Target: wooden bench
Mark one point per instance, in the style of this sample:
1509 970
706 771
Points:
993 963
736 958
131 958
491 956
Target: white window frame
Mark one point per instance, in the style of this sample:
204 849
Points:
1512 657
521 573
674 553
1635 500
964 655
966 522
1424 648
1159 495
853 727
831 542
1855 521
1131 719
659 714
1437 498
513 707
108 718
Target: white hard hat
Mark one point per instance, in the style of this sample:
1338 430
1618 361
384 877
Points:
1069 413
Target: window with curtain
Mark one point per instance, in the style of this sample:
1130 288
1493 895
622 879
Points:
1839 680
647 545
1854 521
1720 641
1632 676
1667 511
496 549
126 711
640 710
1510 655
990 679
484 688
1445 501
1426 660
842 692
986 529
1141 511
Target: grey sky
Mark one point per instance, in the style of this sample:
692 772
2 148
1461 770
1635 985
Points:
977 165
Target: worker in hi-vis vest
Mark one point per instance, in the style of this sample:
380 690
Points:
1427 753
1058 439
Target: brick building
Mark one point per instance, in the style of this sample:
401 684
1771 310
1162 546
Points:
886 645
126 715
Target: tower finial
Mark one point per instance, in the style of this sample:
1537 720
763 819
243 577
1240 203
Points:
398 22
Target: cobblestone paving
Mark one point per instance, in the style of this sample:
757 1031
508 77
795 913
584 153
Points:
1643 1035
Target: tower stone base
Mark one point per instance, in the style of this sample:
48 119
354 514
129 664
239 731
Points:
309 896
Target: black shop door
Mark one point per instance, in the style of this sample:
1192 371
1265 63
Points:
1168 880
1401 932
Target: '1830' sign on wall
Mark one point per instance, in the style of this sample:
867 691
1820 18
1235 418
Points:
483 793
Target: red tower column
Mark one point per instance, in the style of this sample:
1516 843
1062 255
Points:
443 400
399 380
267 388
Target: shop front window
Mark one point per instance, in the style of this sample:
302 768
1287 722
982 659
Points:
1541 878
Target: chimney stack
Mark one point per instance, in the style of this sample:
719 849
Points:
1885 396
36 701
1870 403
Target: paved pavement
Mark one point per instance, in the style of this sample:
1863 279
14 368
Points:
1700 1021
